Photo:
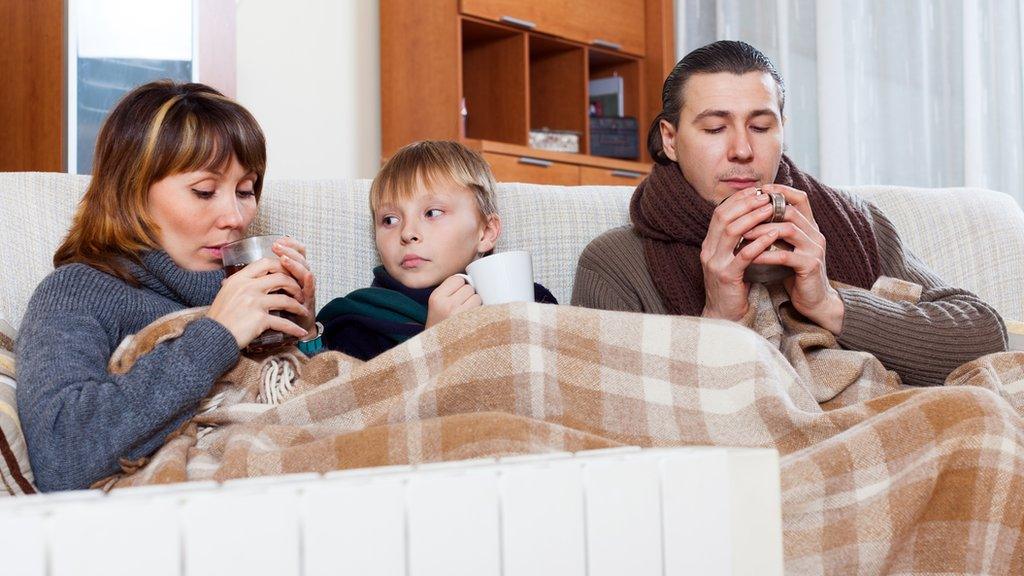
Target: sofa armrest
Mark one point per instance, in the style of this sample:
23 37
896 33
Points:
1015 330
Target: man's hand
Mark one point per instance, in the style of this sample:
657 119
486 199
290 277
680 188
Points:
809 289
726 292
454 295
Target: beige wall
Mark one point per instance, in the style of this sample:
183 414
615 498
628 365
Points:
310 72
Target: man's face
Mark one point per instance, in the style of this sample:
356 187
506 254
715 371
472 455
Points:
730 133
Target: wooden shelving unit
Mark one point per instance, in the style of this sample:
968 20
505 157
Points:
520 65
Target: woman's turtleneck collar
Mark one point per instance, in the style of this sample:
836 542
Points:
156 271
381 279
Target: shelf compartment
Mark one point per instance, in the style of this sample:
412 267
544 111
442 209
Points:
606 64
494 82
558 86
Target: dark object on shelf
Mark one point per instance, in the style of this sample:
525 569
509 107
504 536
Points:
614 137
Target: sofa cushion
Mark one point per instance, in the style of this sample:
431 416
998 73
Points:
15 470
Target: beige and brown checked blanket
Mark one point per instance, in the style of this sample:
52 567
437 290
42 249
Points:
876 478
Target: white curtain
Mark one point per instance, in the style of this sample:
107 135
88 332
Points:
906 92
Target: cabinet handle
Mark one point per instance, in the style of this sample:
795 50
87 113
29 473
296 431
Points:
626 174
607 44
518 22
535 162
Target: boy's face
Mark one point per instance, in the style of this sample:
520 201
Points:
433 234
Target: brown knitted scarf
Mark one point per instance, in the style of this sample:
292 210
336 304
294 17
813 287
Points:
672 218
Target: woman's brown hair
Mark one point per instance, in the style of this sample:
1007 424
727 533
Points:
157 130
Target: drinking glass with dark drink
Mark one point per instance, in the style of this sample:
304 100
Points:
238 255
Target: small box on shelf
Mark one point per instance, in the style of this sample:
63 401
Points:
555 140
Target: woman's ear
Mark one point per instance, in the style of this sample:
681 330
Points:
490 233
668 140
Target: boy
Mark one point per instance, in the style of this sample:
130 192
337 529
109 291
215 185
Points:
434 212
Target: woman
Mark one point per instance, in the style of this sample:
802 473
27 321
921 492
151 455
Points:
178 173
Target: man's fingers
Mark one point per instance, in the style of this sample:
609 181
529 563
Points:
739 204
795 198
808 226
758 246
803 264
739 227
792 234
735 220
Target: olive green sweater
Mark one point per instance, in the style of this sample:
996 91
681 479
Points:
921 342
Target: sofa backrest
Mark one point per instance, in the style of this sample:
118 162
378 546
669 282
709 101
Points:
972 238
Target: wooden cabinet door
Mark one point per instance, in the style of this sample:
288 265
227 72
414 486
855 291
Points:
547 16
32 59
617 24
532 170
592 176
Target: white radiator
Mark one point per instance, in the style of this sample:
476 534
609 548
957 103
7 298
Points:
702 511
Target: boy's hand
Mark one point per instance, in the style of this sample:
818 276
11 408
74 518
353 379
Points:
454 295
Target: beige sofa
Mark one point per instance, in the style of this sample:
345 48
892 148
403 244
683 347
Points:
973 238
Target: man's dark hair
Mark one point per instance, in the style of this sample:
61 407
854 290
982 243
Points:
723 56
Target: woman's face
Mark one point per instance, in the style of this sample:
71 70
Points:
198 212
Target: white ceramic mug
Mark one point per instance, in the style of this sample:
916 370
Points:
502 278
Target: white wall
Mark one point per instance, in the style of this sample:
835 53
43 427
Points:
309 70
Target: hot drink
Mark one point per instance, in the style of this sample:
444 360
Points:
765 273
229 270
240 254
503 277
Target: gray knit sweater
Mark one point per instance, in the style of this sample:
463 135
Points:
79 419
921 342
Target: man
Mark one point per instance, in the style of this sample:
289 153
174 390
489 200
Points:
718 146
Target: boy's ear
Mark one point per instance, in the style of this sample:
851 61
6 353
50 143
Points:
489 235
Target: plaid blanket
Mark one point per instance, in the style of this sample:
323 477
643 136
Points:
876 477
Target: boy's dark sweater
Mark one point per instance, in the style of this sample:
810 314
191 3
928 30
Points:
370 321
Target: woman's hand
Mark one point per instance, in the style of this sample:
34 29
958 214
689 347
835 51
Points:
809 289
246 299
293 258
725 290
454 295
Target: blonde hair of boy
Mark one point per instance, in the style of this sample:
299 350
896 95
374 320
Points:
432 162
